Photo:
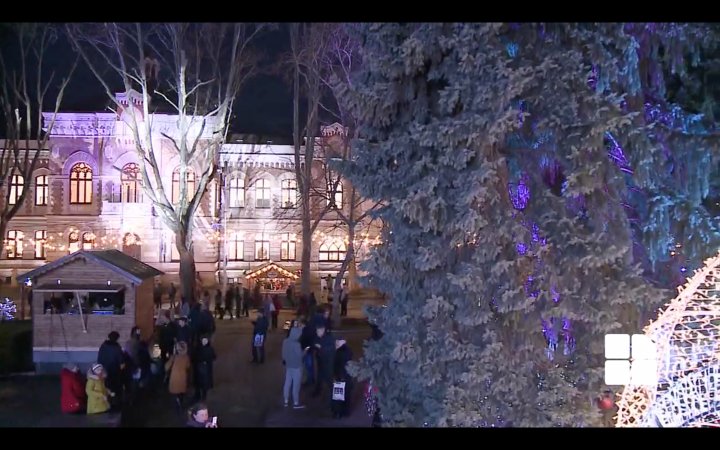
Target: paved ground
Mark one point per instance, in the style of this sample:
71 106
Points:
245 394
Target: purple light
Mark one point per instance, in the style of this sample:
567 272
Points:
683 269
521 248
519 194
555 294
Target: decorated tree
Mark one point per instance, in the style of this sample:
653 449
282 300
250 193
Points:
530 195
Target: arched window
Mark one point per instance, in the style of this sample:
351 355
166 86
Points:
262 193
288 246
288 193
236 246
131 245
14 244
130 179
17 184
88 241
81 184
262 247
332 251
42 190
335 192
73 242
236 191
189 179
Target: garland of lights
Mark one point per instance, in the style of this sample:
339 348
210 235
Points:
686 336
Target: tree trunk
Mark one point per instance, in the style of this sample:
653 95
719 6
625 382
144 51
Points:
349 256
306 254
187 268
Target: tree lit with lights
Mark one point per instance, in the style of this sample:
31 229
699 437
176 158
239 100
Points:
536 177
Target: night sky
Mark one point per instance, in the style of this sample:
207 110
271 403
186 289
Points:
263 107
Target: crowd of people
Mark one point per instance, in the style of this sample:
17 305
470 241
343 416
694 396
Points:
180 354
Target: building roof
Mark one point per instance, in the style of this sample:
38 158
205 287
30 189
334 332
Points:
90 287
127 266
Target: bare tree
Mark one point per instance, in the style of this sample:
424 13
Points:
25 85
308 44
194 69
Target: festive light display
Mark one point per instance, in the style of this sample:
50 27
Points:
688 360
8 309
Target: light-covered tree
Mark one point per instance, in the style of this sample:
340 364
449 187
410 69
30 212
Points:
193 70
509 157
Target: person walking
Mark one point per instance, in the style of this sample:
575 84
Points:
178 367
260 327
204 359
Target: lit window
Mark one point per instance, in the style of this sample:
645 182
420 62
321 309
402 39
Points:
190 183
236 247
81 184
131 187
40 240
262 193
73 242
14 244
262 247
88 241
333 251
289 194
41 190
17 184
237 192
288 243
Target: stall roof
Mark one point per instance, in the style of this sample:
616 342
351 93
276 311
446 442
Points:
133 269
49 287
271 266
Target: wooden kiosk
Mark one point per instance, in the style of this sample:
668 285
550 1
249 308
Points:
272 279
80 298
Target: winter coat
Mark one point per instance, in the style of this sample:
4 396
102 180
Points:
292 352
205 323
192 423
111 357
307 336
343 355
260 326
182 334
326 353
179 366
166 338
132 347
277 304
72 392
229 298
97 395
204 367
185 309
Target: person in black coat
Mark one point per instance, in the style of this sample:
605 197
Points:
112 358
237 296
204 358
229 302
325 350
260 328
205 322
182 331
307 341
343 355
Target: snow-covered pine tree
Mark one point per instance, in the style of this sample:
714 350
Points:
508 251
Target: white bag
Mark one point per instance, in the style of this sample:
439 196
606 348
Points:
259 340
339 391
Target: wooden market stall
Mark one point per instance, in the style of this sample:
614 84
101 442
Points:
80 298
272 279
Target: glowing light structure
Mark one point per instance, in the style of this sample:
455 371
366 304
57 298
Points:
8 309
688 360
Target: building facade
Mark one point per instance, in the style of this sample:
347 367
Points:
86 193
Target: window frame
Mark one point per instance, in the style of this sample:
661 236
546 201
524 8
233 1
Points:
42 190
81 178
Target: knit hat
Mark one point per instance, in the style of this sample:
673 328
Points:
97 368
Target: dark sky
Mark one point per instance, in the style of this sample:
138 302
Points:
264 105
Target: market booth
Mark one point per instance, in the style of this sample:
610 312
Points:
80 298
272 279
